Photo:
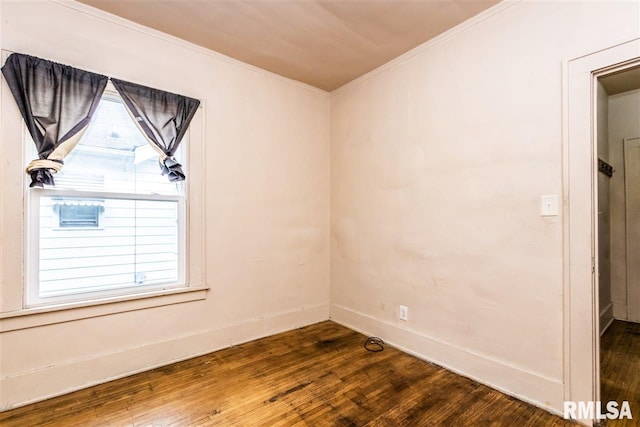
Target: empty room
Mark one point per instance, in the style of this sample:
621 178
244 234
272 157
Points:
319 213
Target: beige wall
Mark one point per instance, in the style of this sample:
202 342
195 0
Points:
438 162
624 122
604 222
267 192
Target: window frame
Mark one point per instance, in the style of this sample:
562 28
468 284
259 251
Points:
31 291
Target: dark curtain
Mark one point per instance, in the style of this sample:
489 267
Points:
56 102
163 117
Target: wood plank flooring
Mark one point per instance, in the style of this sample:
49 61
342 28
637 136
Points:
319 375
620 369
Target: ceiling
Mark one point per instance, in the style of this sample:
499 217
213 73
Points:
325 43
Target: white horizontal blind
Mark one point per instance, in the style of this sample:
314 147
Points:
135 245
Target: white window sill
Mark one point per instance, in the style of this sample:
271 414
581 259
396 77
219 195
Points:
47 315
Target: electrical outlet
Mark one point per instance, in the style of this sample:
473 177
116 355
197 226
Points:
404 313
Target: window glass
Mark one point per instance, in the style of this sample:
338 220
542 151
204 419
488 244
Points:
136 245
113 224
74 212
114 156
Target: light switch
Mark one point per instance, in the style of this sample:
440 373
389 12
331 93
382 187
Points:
549 206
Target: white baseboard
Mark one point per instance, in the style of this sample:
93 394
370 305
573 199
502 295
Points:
20 389
606 318
546 393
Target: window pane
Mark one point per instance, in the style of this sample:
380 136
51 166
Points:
136 244
114 156
73 212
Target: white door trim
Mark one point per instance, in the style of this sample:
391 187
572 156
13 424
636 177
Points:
581 351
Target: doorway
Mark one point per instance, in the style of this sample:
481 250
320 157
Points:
617 133
582 261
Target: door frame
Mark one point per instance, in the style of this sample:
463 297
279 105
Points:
580 227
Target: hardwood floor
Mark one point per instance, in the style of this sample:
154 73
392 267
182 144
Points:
620 368
319 375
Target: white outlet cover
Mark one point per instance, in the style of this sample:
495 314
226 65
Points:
549 205
404 312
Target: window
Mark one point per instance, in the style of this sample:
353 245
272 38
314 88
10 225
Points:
78 212
112 225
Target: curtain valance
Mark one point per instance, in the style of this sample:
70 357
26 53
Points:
57 102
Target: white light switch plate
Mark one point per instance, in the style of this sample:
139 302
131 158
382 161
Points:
549 205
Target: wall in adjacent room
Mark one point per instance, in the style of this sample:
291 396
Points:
266 229
624 122
438 163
